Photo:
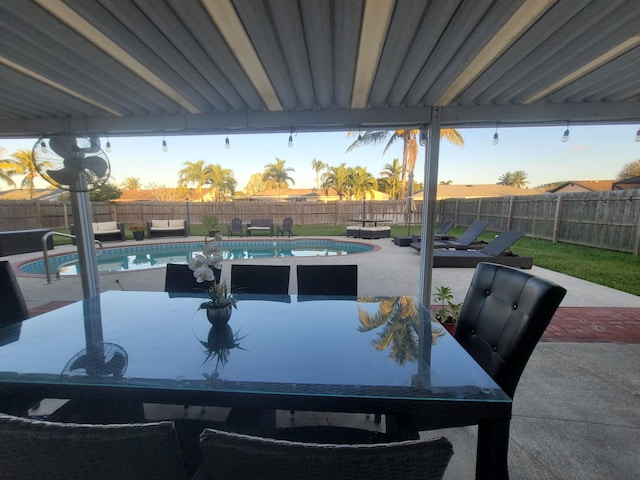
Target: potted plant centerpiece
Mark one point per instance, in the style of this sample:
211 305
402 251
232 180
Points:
448 311
208 267
219 305
138 230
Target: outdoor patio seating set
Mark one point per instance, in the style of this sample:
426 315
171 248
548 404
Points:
107 231
257 225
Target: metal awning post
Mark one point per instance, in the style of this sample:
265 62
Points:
432 153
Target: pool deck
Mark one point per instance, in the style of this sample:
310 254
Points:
576 413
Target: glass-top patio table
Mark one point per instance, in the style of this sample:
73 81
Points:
343 354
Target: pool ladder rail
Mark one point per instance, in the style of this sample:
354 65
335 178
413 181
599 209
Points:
45 253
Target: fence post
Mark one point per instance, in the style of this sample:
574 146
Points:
636 246
556 220
510 214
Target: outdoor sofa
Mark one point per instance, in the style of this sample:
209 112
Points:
260 225
166 228
104 231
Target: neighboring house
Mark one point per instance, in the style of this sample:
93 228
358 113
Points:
626 184
298 195
583 186
40 194
479 191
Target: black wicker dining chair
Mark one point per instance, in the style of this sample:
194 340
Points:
260 279
230 456
14 308
179 279
59 451
327 280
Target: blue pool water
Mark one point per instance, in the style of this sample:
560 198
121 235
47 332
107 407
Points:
139 257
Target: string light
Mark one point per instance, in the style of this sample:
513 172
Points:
227 145
108 146
290 143
164 145
638 135
565 135
496 140
423 138
44 149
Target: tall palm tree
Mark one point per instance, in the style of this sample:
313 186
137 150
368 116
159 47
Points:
195 173
277 175
362 182
339 178
392 173
131 183
222 182
410 146
317 166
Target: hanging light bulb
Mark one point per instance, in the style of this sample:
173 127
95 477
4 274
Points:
565 135
638 135
423 138
164 145
44 149
227 145
108 146
496 140
290 143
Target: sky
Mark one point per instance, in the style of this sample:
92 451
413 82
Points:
592 153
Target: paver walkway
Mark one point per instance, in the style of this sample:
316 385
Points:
569 324
594 325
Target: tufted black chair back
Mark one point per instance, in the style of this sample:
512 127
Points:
14 308
503 316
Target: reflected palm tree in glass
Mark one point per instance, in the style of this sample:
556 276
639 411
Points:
399 321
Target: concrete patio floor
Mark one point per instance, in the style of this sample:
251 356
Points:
576 412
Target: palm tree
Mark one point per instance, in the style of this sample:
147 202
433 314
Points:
392 173
196 173
410 150
337 177
277 175
317 166
23 163
520 179
131 183
362 182
7 169
222 182
516 179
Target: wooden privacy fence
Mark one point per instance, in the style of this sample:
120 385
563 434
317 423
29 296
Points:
609 220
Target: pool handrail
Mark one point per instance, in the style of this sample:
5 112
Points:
45 252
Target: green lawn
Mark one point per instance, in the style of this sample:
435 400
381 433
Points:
612 269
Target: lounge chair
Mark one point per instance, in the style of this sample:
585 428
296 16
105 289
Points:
466 241
442 233
496 251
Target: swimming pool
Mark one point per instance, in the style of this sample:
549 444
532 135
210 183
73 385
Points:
140 257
